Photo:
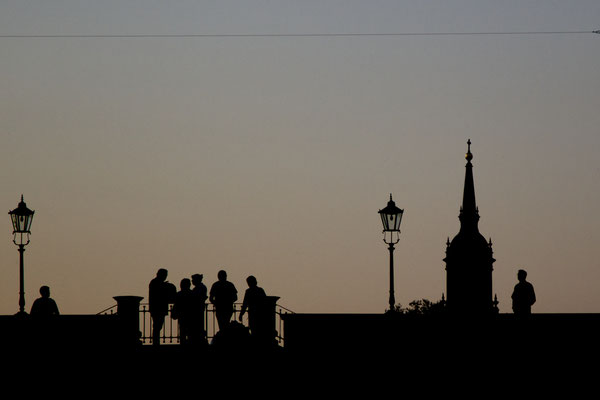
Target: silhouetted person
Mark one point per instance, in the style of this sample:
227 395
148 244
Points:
44 306
223 294
200 294
254 298
159 297
523 296
183 310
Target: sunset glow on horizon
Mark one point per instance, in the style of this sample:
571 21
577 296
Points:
270 156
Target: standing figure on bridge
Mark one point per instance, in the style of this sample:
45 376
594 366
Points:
253 302
200 294
222 295
159 296
183 310
523 296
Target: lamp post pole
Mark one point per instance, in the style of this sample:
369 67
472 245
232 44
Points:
21 218
391 216
392 297
21 280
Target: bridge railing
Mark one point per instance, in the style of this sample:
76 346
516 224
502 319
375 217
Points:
170 331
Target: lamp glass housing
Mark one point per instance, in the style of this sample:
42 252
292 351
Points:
21 218
391 217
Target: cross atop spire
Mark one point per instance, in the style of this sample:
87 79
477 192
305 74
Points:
469 155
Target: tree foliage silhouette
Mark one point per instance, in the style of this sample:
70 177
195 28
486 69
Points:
422 307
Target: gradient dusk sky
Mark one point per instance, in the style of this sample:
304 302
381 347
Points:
272 155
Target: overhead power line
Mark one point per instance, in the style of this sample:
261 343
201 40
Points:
250 35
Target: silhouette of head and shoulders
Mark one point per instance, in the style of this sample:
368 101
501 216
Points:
254 292
199 287
44 306
222 291
183 304
161 276
185 286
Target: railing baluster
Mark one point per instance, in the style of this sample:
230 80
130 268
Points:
143 324
170 325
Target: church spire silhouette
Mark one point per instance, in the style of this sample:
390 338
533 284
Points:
469 214
469 256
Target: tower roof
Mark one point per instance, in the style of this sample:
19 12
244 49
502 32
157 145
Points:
468 241
469 256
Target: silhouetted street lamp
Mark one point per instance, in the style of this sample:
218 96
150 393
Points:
21 220
391 216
